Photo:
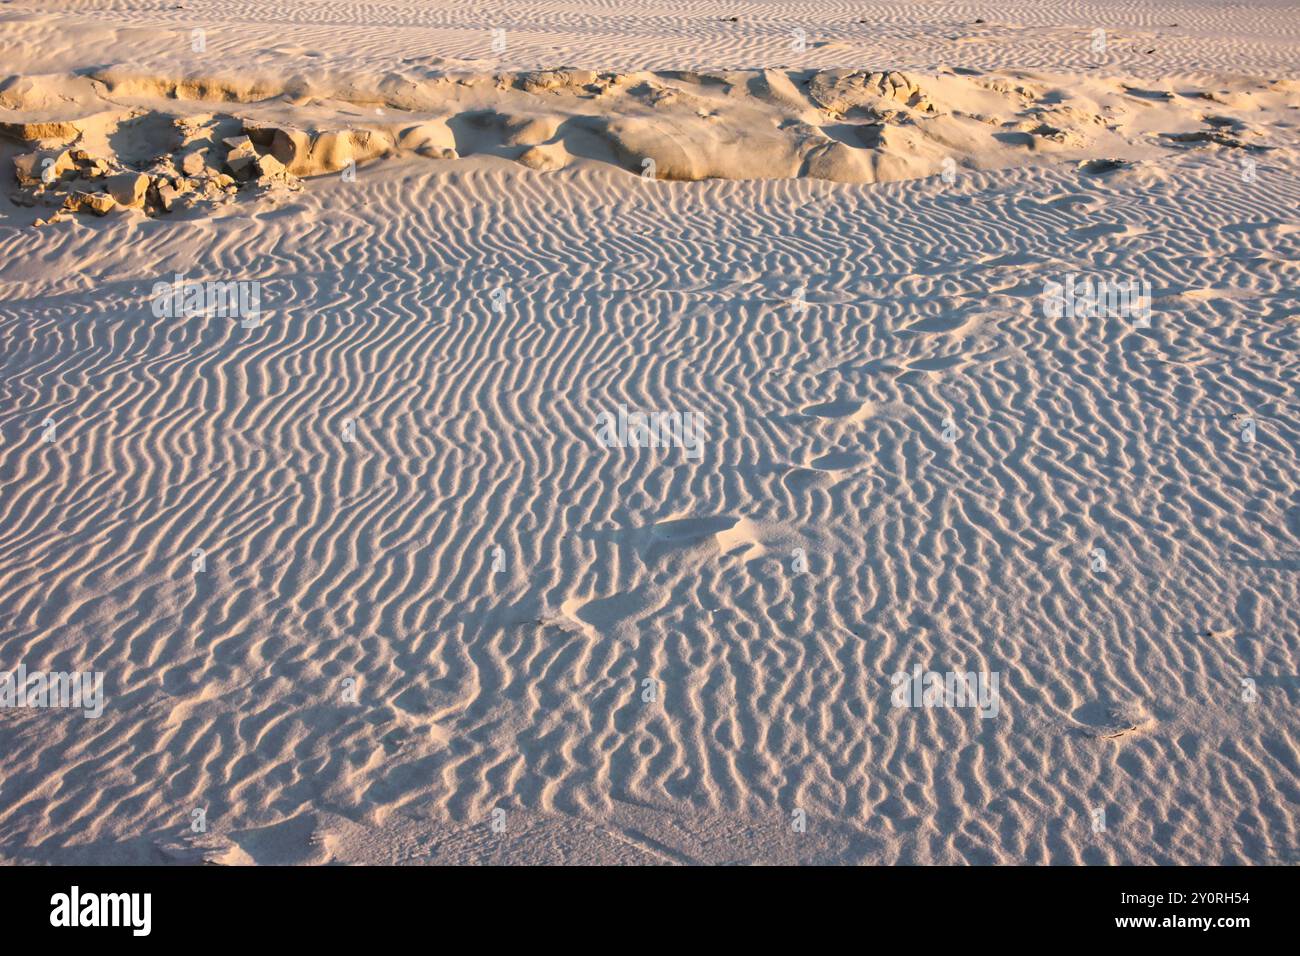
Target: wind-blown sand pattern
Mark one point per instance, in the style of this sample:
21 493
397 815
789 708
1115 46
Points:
366 586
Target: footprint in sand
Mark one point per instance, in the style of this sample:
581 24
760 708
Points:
939 364
824 471
687 530
850 410
839 461
949 323
1112 721
204 850
727 531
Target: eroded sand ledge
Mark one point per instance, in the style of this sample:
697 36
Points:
118 137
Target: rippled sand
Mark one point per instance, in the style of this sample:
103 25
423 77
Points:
365 584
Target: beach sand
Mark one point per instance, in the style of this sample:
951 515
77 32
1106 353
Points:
319 415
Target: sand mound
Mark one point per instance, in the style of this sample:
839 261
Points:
841 125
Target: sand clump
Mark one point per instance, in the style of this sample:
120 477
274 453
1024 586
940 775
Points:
96 179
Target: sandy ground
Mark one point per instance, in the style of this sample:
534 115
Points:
366 582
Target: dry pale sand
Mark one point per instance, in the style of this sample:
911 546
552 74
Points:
363 581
